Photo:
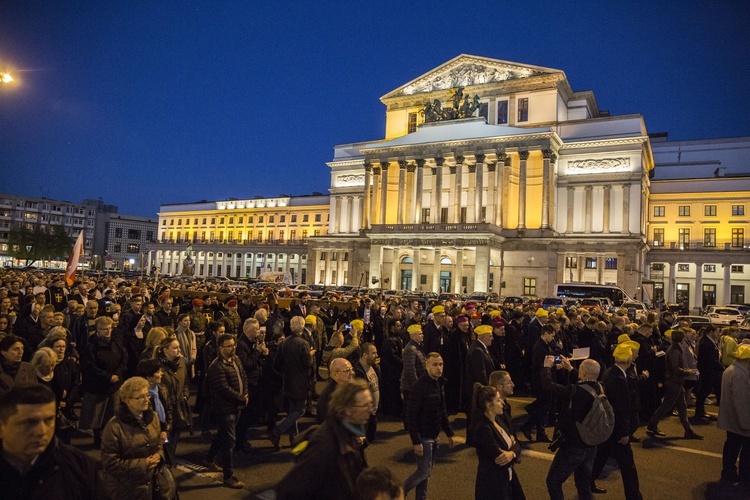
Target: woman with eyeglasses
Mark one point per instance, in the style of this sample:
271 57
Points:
132 446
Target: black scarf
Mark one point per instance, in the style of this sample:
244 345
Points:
9 368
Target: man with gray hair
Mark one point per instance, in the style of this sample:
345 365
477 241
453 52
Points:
294 363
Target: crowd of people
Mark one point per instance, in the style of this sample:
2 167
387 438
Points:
135 364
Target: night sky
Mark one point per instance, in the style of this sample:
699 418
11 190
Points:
149 102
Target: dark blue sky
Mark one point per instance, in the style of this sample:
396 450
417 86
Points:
144 103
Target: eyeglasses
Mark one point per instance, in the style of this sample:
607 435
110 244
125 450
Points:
232 346
344 371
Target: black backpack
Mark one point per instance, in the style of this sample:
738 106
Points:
599 423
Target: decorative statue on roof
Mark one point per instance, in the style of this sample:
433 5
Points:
434 112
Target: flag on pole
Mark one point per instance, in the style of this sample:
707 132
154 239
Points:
75 255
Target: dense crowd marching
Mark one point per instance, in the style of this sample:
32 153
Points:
117 359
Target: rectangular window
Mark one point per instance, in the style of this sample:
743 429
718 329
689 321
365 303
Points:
133 248
282 218
118 247
656 267
683 268
334 256
529 286
484 110
164 222
709 210
270 237
322 256
571 262
738 237
737 293
149 235
412 123
659 211
709 268
523 109
502 112
317 217
684 238
221 220
590 262
306 218
443 215
134 234
709 237
738 269
281 236
610 263
425 216
304 234
658 237
738 209
118 232
230 236
294 217
292 235
462 217
213 221
231 220
683 211
483 214
260 219
271 219
316 232
250 219
346 257
260 237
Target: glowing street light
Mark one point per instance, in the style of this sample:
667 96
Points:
5 78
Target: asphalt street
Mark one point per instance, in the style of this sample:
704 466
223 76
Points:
671 468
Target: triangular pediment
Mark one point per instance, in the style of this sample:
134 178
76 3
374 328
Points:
466 71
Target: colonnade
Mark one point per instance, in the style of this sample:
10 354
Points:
226 262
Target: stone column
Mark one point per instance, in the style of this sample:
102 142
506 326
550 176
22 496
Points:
336 214
552 192
588 203
503 165
298 278
395 274
727 288
607 198
438 203
366 211
356 203
546 155
599 269
482 268
458 187
671 287
312 266
411 182
626 209
418 191
523 155
471 194
491 198
375 212
479 188
415 257
459 271
384 192
252 265
699 286
581 267
376 264
436 272
401 190
571 209
213 263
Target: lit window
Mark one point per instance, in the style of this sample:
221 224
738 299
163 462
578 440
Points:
529 286
738 269
683 268
502 112
590 262
709 268
684 238
571 262
709 237
659 211
684 211
709 210
658 237
412 125
738 209
738 237
610 263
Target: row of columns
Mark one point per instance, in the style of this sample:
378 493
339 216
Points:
171 264
670 294
411 190
588 204
345 214
342 268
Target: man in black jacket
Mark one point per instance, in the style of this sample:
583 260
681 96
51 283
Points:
425 416
711 370
573 456
227 382
367 370
618 445
252 351
33 463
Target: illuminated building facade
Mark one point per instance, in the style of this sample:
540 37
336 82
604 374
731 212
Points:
539 186
699 222
239 238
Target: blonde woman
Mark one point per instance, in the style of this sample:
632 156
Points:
154 338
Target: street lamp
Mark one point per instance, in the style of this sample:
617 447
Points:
5 78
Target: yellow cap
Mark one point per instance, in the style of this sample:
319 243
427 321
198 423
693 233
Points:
483 330
622 351
742 352
541 313
623 338
358 324
668 333
494 313
438 310
415 328
311 319
560 310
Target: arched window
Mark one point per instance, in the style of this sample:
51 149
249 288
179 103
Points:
492 264
407 260
445 261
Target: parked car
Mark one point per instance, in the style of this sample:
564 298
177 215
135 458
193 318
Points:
592 303
744 309
696 322
553 302
513 301
723 315
640 307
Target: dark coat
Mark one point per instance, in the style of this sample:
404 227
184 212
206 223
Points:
576 405
709 364
126 445
325 397
252 360
293 362
175 380
99 362
616 389
435 338
24 376
492 480
425 410
479 365
541 350
227 394
336 449
61 472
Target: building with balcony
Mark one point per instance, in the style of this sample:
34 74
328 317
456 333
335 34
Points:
697 223
537 186
16 210
238 238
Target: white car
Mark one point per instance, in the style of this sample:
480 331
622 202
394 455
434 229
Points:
723 315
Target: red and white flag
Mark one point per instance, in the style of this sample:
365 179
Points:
75 255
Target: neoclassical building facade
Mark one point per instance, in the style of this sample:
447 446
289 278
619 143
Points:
538 187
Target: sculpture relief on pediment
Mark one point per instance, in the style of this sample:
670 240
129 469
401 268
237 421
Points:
590 166
466 75
350 180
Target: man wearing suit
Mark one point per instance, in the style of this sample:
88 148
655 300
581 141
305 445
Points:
435 334
711 371
544 399
618 445
300 309
479 365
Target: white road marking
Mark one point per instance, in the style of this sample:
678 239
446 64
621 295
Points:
549 456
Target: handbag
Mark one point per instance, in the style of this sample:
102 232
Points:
163 485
